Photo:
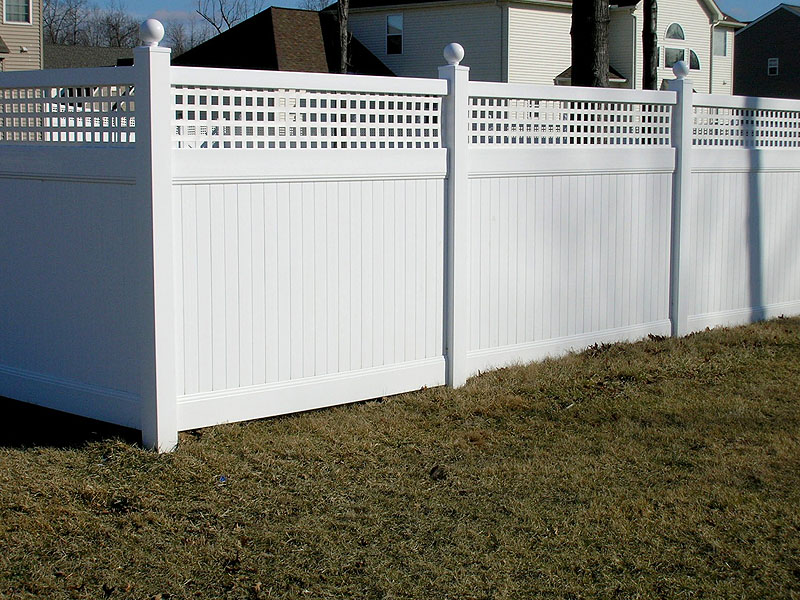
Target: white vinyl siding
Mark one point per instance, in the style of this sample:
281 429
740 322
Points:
539 43
427 30
696 25
22 35
723 67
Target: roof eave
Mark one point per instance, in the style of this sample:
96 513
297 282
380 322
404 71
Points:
785 7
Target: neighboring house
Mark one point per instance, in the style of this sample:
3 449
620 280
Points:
73 57
282 39
528 41
20 35
767 55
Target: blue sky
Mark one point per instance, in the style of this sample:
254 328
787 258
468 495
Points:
741 9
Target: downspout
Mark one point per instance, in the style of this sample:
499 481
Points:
635 46
503 41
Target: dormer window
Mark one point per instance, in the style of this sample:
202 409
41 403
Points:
17 11
394 34
675 32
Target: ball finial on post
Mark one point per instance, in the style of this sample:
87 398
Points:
453 53
681 69
151 32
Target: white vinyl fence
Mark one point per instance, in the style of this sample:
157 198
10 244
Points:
194 246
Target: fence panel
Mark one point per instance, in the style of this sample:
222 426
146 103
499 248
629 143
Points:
570 229
311 271
74 265
746 191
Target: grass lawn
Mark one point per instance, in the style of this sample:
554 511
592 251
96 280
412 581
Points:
662 469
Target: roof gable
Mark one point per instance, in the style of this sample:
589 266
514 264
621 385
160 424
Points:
282 39
790 8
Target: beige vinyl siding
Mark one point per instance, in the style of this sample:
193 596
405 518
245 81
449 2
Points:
620 43
696 23
19 35
722 80
427 30
539 44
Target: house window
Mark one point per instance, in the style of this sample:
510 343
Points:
394 34
694 62
17 11
673 55
675 32
720 42
772 67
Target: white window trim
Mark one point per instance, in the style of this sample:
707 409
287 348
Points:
724 32
23 23
776 65
684 49
683 30
402 34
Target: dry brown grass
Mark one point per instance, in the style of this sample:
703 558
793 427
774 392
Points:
663 469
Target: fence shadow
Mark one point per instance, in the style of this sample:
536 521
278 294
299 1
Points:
755 250
27 425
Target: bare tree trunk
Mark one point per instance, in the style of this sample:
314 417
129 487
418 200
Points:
590 19
343 10
650 45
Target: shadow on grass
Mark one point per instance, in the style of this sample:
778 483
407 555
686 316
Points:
27 425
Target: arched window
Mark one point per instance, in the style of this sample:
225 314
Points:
694 62
675 32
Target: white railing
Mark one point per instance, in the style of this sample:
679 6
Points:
81 106
239 109
741 122
509 115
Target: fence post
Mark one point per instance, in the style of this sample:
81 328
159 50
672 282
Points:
456 252
681 265
154 180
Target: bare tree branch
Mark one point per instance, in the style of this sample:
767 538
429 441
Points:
224 14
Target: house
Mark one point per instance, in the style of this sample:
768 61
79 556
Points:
767 57
528 41
20 35
57 56
282 39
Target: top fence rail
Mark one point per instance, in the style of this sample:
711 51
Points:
234 108
527 115
744 122
71 106
228 108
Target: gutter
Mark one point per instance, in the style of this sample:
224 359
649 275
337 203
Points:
438 3
714 24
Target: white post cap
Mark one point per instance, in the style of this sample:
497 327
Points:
681 69
151 32
453 53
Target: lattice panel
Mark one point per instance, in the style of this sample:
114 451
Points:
103 114
275 118
509 121
746 128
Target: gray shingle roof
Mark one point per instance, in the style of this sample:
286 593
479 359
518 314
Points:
72 57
